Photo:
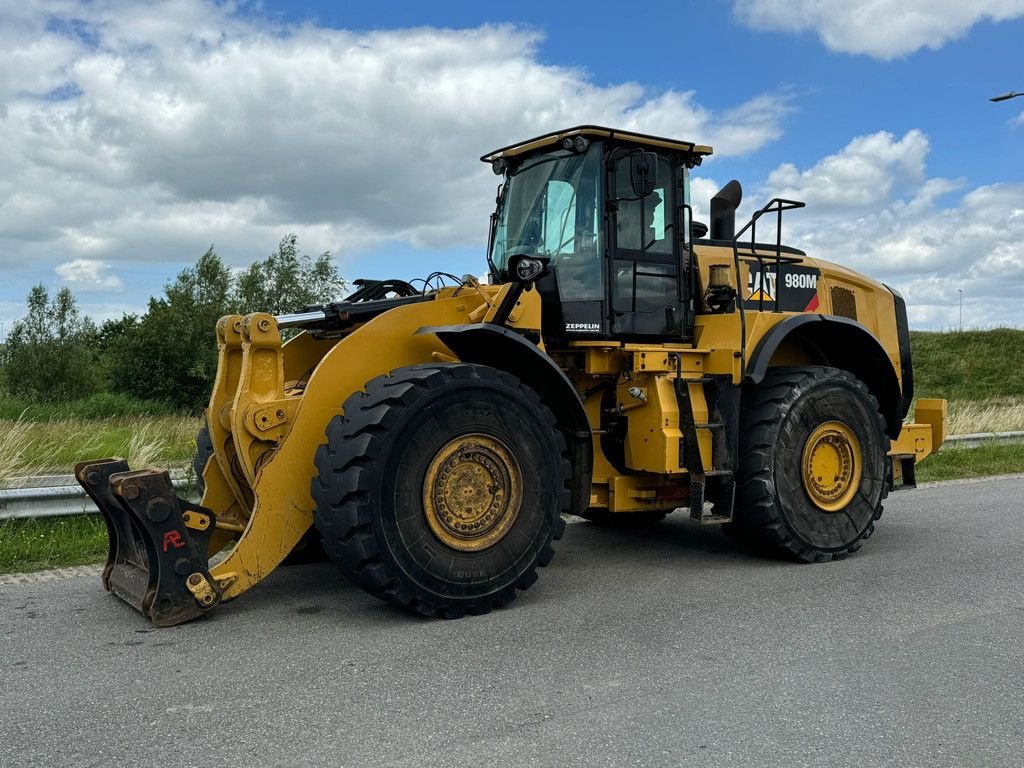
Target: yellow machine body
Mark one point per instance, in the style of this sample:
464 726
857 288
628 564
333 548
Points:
273 401
266 427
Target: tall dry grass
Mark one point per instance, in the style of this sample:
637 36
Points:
55 446
966 417
14 440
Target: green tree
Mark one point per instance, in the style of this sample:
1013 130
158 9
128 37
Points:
287 280
108 344
171 353
48 355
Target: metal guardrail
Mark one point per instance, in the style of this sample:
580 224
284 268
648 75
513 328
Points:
975 439
60 495
44 502
54 496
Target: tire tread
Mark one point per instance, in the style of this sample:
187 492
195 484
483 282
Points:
344 505
759 524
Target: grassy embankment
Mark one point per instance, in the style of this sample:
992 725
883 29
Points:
38 440
981 373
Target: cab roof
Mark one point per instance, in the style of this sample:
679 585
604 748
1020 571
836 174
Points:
698 151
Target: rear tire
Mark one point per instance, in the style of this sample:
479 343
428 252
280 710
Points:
442 487
813 464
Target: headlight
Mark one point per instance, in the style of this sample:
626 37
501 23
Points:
528 270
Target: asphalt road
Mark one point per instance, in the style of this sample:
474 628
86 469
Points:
661 648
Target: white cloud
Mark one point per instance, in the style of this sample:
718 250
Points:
736 131
885 29
132 134
170 127
872 207
35 58
702 189
88 275
864 173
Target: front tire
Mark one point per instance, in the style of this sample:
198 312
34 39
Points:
813 464
442 487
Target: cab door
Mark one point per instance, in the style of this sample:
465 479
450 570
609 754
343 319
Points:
645 247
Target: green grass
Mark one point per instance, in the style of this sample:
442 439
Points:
985 460
99 406
972 365
980 373
51 542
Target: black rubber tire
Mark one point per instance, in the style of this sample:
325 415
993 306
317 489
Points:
371 472
204 452
773 510
622 520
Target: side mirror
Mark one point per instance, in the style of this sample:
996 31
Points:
643 172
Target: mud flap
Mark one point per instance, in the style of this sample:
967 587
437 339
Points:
158 557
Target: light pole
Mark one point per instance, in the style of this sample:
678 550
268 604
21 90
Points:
1006 96
960 291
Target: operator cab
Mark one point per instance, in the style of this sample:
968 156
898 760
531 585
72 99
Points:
611 212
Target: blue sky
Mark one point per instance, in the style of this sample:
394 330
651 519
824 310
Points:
135 135
700 46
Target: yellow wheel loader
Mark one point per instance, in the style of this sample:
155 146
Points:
623 362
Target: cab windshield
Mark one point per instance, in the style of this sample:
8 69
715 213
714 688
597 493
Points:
550 207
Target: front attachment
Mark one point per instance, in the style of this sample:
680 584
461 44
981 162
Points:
158 557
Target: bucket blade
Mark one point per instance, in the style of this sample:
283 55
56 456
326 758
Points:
124 552
158 555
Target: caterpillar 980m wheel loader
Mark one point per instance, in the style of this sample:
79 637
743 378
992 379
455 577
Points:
625 361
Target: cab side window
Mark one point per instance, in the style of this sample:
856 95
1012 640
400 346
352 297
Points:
640 224
646 290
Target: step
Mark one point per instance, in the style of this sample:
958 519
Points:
713 519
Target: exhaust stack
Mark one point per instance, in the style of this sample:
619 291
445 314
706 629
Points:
723 211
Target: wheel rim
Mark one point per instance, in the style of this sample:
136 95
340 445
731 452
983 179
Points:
832 466
472 492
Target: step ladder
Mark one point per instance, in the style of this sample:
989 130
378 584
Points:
712 492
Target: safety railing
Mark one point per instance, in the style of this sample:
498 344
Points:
740 249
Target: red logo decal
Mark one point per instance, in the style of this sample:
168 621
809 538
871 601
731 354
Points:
173 539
